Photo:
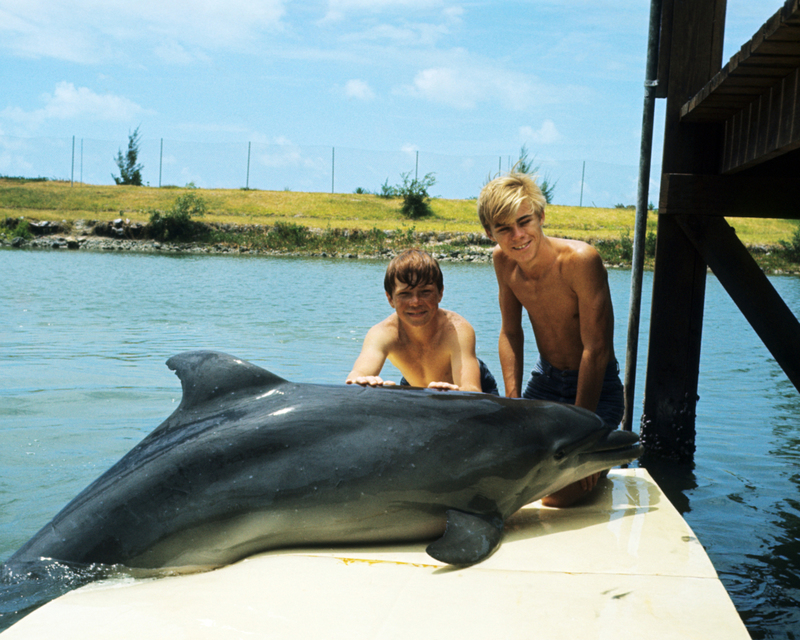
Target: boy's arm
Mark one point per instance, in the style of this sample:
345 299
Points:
512 337
596 326
463 361
370 361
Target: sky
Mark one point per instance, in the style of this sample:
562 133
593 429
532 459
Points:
334 95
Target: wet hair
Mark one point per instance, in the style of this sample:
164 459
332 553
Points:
501 198
413 267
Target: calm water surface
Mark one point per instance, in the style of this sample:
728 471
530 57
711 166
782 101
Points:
82 379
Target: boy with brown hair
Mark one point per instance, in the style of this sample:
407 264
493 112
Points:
563 286
432 347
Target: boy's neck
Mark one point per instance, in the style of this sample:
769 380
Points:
424 333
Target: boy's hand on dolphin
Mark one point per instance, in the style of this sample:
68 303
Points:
370 381
443 386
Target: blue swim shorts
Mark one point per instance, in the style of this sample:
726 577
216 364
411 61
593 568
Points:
549 383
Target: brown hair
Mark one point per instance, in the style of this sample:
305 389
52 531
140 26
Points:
413 267
501 198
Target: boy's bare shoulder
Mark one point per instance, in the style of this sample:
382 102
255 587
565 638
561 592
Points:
455 320
387 329
581 264
577 252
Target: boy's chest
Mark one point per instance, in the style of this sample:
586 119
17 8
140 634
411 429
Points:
548 298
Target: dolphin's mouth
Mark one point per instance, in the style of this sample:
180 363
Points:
616 447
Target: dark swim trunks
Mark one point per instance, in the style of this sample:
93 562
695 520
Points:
549 383
488 383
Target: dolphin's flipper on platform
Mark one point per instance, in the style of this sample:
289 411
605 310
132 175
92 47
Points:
468 538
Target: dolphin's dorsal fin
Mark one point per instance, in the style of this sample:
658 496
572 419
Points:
209 374
468 538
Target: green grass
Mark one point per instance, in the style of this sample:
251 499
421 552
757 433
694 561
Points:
609 229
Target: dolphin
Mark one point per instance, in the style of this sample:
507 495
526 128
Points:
250 462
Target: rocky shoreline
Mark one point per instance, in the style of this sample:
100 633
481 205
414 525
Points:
122 235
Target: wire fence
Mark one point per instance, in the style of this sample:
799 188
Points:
290 167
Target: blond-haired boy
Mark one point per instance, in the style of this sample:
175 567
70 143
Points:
563 287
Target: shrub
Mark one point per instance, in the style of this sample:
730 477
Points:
177 224
288 234
387 191
650 244
16 228
625 247
791 248
415 195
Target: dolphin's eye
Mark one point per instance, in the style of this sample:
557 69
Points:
560 454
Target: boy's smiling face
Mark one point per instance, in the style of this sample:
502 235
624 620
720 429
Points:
415 305
520 236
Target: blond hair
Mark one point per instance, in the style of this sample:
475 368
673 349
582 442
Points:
501 198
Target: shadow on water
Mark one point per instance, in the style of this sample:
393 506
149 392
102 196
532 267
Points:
758 563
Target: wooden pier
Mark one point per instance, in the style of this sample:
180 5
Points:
731 148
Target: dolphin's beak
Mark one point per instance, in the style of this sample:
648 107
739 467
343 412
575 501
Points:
616 447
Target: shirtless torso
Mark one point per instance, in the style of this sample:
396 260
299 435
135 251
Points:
432 347
563 287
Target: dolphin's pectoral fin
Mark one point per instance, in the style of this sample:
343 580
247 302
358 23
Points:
208 374
468 538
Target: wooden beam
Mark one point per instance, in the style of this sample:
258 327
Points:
673 350
771 54
740 196
676 318
749 288
764 128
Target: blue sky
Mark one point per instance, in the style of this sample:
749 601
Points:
334 94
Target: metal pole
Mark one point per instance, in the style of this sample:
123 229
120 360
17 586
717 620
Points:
72 174
160 162
640 229
416 168
583 174
333 165
81 160
247 182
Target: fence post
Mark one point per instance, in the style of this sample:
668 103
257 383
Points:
583 173
160 162
247 182
81 161
333 165
72 172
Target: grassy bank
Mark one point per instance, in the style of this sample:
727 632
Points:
339 215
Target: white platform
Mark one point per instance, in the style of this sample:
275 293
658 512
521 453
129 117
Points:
624 564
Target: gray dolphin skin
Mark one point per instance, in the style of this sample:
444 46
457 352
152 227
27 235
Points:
250 462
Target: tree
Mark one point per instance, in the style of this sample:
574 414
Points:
129 171
524 165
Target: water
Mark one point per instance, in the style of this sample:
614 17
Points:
82 379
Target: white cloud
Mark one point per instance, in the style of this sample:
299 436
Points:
337 9
91 31
359 90
547 133
68 102
466 85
